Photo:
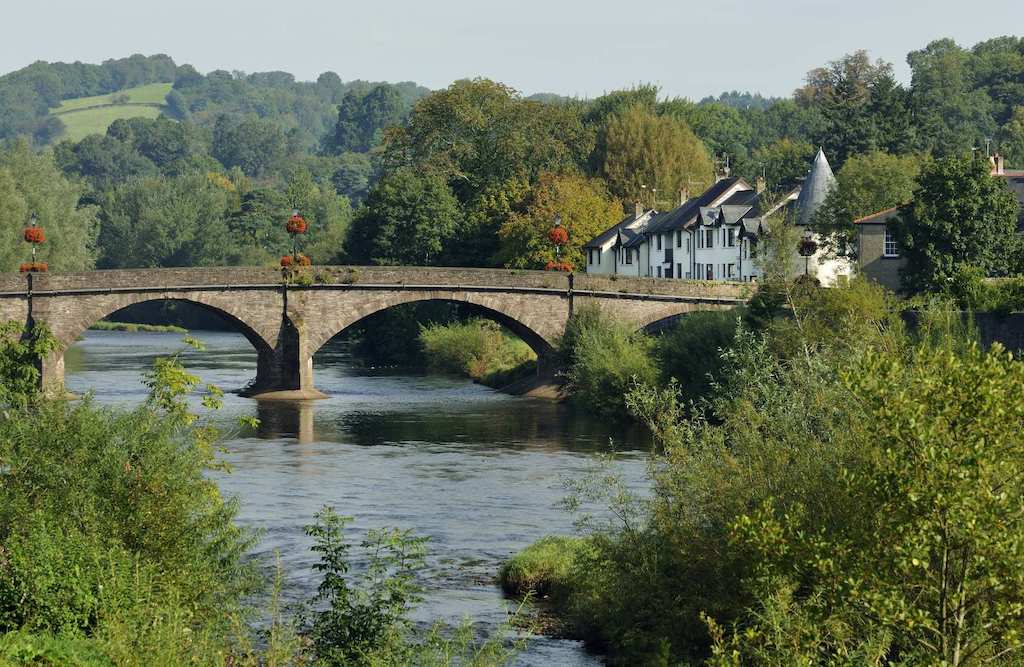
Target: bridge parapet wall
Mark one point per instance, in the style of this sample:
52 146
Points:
700 289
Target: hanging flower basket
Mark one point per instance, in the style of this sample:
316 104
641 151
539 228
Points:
286 261
807 247
558 235
34 267
296 225
565 267
35 234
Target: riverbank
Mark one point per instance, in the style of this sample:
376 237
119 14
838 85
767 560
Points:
104 325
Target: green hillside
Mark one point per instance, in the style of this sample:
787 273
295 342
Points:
93 115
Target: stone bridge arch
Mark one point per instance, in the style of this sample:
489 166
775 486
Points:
321 315
68 316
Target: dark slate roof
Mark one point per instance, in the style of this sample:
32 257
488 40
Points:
820 180
610 233
679 217
631 238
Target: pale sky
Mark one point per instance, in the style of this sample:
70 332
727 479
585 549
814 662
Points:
571 47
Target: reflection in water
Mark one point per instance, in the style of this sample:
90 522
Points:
478 472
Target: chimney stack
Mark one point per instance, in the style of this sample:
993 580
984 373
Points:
639 211
684 195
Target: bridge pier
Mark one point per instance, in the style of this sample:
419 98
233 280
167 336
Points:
285 373
51 374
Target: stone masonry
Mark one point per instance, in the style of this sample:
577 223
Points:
288 323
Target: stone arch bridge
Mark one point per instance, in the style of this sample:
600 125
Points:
288 323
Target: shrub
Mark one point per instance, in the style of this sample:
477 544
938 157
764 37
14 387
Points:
474 348
691 352
607 358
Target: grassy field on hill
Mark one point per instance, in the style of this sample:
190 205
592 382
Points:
91 115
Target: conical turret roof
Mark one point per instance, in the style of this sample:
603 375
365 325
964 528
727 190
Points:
819 182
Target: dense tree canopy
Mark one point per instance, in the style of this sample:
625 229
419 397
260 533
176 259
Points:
645 151
584 208
961 217
31 184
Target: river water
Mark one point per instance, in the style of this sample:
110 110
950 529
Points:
478 472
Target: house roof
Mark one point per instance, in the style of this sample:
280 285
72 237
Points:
612 232
680 216
819 182
880 217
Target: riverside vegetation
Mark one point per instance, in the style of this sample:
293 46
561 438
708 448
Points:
847 492
117 549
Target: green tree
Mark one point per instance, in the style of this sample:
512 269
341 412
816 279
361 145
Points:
1011 143
866 184
255 145
362 119
961 217
477 133
178 221
657 152
585 209
784 163
406 219
30 183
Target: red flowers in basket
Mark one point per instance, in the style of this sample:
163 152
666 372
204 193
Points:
35 234
558 266
289 261
33 267
558 235
296 224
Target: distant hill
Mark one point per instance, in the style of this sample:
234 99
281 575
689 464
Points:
83 116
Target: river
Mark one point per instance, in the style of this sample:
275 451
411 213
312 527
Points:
478 472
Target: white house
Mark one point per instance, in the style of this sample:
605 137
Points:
714 236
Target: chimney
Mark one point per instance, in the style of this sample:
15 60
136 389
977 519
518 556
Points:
759 184
997 165
639 211
684 195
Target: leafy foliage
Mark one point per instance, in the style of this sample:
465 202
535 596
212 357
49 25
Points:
960 216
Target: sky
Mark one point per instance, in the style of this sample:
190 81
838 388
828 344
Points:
571 47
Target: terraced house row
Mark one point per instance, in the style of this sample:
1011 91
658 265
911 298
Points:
714 236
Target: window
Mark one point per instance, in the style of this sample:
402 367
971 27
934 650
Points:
668 271
891 248
700 270
730 239
629 256
659 244
711 272
659 271
687 245
730 270
710 240
679 270
679 238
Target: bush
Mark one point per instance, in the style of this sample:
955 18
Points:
474 348
606 359
691 352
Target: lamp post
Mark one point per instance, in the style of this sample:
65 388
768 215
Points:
296 225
